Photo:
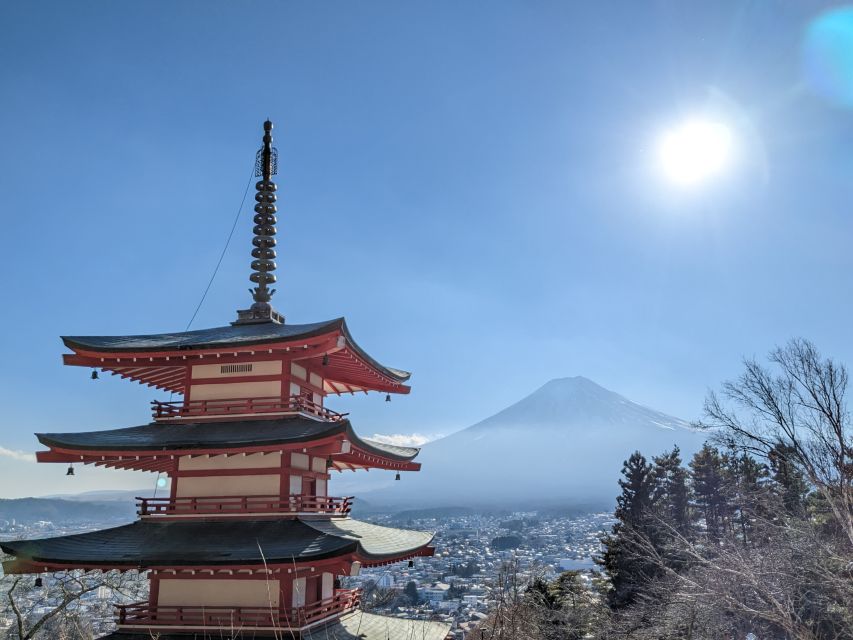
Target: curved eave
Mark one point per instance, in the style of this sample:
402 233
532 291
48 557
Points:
396 374
218 338
153 447
161 360
357 625
370 626
203 543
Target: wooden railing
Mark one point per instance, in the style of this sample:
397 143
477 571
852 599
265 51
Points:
241 406
213 505
142 614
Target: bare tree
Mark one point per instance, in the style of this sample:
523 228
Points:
48 605
799 411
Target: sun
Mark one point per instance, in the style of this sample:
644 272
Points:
694 151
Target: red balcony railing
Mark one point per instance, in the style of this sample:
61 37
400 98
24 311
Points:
217 505
141 614
242 406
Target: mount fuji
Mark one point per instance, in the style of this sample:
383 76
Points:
563 445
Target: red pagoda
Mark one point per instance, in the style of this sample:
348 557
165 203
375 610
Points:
249 543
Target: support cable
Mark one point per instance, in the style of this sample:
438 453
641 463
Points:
224 249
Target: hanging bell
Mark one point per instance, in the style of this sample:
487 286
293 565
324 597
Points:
387 397
39 582
397 477
329 462
70 471
94 374
326 360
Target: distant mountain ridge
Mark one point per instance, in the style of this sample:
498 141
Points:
26 510
563 444
578 400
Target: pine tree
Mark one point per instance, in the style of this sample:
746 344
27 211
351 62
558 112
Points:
748 492
671 493
710 488
627 569
788 480
411 591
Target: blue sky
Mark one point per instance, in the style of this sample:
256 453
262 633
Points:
472 184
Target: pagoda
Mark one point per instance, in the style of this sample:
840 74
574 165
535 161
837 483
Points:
248 543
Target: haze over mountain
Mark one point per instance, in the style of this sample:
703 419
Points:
66 511
562 444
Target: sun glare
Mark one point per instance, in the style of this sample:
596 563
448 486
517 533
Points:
694 151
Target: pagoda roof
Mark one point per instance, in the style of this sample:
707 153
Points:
236 542
241 334
232 338
358 625
214 438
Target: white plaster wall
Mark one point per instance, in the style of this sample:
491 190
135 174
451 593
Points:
300 461
266 368
295 485
259 485
236 390
328 586
251 461
219 593
299 592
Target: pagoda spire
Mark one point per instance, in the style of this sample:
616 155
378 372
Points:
263 252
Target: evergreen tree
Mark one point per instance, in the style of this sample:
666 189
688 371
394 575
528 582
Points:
627 569
710 488
671 492
748 492
788 480
411 592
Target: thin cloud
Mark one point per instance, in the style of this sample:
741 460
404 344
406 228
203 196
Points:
404 439
23 456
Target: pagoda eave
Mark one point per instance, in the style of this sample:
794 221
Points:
156 447
165 461
356 624
339 565
162 361
249 547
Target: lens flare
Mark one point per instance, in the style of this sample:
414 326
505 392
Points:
161 482
694 151
827 56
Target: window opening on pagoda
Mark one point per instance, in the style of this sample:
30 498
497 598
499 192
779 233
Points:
235 368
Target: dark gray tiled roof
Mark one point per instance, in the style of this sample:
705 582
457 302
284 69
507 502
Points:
392 449
217 435
243 334
148 543
357 625
374 540
237 335
369 626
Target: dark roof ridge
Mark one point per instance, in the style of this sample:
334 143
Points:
156 436
154 542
